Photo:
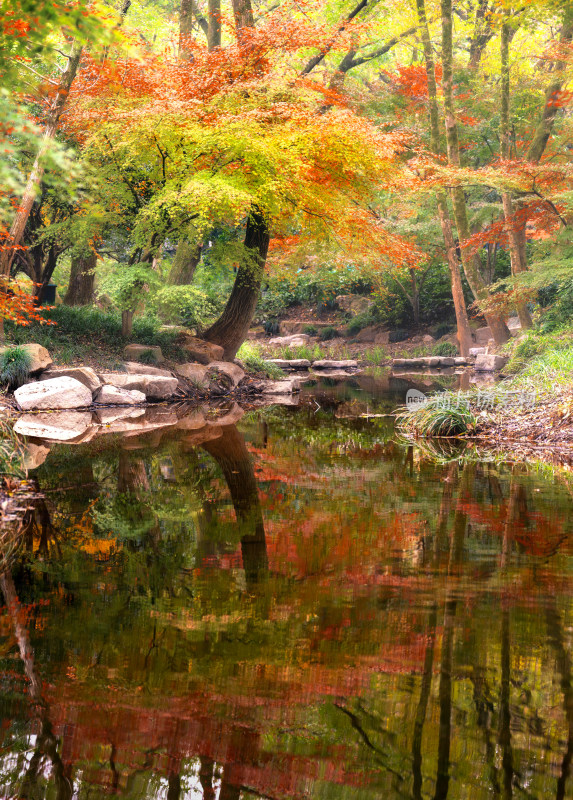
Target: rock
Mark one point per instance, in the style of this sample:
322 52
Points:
35 455
106 416
460 361
193 421
326 363
382 338
490 363
61 392
133 368
114 396
60 427
296 340
230 417
427 339
231 373
293 363
399 362
477 351
154 387
290 327
84 375
354 304
367 335
447 361
482 335
40 358
137 352
514 325
199 350
194 374
288 386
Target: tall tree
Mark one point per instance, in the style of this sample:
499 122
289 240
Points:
463 325
471 262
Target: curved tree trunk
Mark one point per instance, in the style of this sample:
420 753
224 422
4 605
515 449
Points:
231 454
82 281
230 330
185 263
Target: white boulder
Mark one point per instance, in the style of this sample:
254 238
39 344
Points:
64 392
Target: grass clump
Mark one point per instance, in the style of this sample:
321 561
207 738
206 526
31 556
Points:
328 333
15 363
444 414
148 357
310 330
377 356
310 352
445 349
250 355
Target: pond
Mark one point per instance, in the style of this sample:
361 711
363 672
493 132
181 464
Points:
291 604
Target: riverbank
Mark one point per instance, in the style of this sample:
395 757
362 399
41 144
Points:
532 408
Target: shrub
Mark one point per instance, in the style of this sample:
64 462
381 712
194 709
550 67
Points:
310 330
445 349
148 357
443 329
359 322
398 335
328 333
271 327
184 305
15 365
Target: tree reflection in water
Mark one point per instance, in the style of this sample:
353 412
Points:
400 629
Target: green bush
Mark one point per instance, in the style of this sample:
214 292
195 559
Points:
15 365
445 349
328 333
398 335
250 355
148 357
360 321
184 305
443 329
310 330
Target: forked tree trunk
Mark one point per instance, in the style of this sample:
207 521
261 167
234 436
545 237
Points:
82 280
230 330
471 263
516 252
184 264
463 324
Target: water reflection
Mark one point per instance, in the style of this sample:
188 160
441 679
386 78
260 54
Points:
299 608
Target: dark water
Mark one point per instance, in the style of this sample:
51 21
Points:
296 606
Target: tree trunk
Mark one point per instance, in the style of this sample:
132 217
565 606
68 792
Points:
214 22
82 280
515 251
231 454
470 263
231 328
126 323
185 263
243 13
463 324
19 224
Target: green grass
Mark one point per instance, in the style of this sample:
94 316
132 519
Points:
15 365
445 349
86 334
377 356
310 352
444 414
251 356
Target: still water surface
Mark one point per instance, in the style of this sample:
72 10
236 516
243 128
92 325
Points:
295 606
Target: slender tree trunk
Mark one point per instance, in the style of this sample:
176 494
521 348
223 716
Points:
243 13
214 22
82 280
463 324
470 263
515 251
230 330
185 263
126 323
19 224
